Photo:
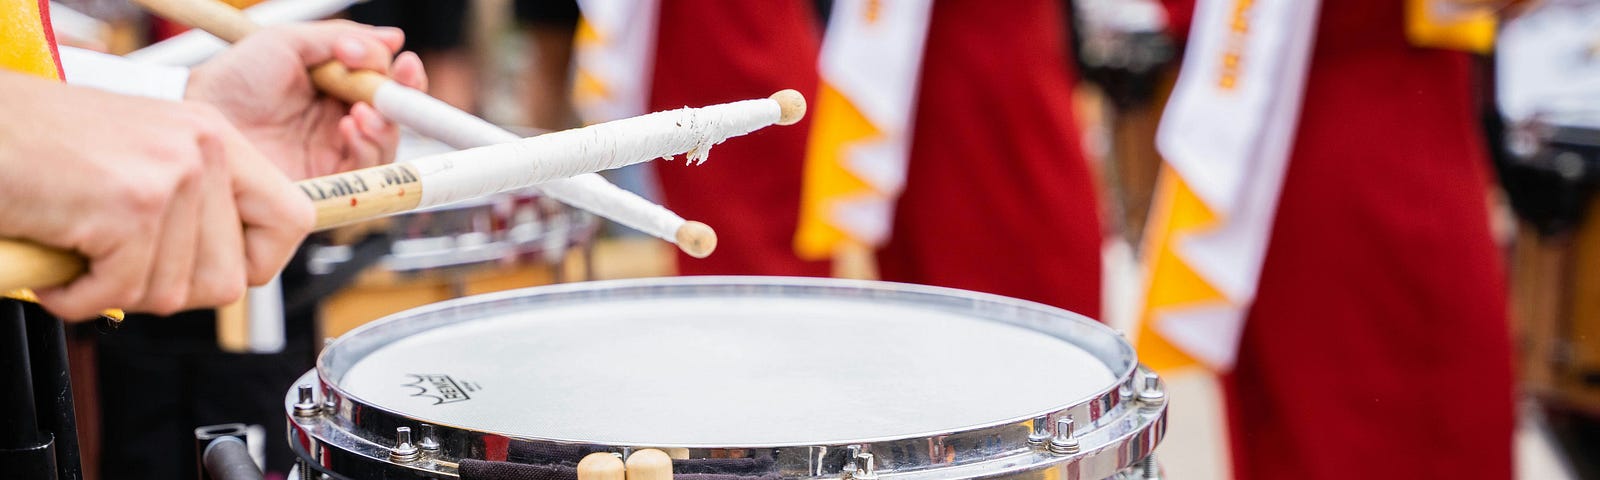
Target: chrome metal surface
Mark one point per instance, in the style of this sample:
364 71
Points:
428 443
499 229
404 450
305 405
1063 442
1152 393
352 439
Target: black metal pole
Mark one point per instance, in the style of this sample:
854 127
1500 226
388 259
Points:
25 451
228 458
52 388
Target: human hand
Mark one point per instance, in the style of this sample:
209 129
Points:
261 84
172 207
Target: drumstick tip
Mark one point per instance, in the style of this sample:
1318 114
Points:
649 464
600 466
791 105
696 239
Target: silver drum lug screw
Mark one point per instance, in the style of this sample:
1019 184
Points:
1041 432
1152 395
1063 443
1151 470
404 450
429 443
867 468
306 405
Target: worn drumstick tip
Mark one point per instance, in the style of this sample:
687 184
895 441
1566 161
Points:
696 239
791 106
600 466
649 464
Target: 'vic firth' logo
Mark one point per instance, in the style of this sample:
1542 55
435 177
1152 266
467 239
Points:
441 388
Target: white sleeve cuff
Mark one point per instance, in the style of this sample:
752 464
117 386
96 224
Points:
118 75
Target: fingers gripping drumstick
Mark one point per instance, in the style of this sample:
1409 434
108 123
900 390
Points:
434 118
463 175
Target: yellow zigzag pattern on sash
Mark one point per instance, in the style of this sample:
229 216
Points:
588 88
838 125
1176 213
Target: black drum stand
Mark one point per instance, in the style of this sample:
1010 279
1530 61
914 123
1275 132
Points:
38 430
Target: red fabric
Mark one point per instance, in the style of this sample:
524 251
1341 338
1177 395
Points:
1378 345
50 36
998 197
713 51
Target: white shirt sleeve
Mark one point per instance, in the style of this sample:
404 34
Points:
118 75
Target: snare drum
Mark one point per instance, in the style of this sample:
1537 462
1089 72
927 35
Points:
753 377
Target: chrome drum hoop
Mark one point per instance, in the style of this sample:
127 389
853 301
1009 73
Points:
1116 427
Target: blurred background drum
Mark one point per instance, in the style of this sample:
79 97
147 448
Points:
512 240
747 377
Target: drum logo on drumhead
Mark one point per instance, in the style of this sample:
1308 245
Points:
441 388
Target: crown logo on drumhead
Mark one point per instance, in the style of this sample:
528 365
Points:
441 388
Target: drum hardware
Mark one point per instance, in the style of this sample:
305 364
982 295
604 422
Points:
306 406
427 443
1152 395
227 457
1063 442
1148 466
404 451
862 467
1040 434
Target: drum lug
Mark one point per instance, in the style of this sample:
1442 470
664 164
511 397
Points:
1041 432
404 450
429 443
861 466
1063 443
306 405
1152 395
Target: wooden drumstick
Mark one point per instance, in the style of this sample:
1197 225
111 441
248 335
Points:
600 466
463 175
649 464
438 120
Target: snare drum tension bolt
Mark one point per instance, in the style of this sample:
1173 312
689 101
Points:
1041 432
306 406
404 450
1063 443
866 468
428 443
1152 395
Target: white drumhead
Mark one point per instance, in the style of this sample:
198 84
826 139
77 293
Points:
723 369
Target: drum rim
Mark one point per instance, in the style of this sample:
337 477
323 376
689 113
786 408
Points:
1122 374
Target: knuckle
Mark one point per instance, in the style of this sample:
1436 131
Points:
168 300
145 199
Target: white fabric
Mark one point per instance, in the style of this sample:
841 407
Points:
72 24
1547 65
481 171
264 308
614 60
1230 144
118 75
194 46
434 118
872 55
